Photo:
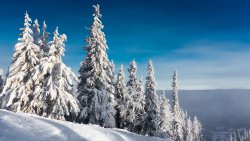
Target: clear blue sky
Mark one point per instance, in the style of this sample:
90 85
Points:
207 41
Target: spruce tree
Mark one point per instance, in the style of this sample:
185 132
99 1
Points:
177 119
175 104
197 130
125 107
120 90
139 104
166 118
189 130
230 137
18 89
112 72
36 32
200 131
234 136
44 40
135 90
184 118
1 81
132 84
152 106
53 96
95 89
248 134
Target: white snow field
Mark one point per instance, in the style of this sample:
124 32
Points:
27 127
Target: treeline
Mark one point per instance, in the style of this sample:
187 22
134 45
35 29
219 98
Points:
38 82
239 134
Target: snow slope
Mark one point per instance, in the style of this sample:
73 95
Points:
26 127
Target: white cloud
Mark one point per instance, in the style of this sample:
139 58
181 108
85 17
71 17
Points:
218 66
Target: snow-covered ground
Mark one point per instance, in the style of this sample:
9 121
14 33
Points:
26 127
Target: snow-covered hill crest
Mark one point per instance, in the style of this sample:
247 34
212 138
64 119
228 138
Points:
26 127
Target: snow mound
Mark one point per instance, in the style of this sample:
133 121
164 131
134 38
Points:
27 127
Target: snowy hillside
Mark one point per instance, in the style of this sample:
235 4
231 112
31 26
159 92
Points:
26 127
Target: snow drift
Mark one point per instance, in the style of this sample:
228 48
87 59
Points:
27 127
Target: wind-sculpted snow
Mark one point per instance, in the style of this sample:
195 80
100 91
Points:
27 127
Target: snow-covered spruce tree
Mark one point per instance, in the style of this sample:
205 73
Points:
18 89
166 118
184 117
152 106
112 71
43 43
244 134
234 136
134 89
125 108
248 135
120 90
238 134
1 81
53 96
175 103
189 124
197 130
177 119
95 89
230 137
36 32
200 133
139 100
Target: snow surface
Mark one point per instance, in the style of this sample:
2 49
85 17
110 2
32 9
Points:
27 127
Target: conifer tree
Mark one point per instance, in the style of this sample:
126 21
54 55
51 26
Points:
189 130
166 118
18 89
135 90
184 118
248 135
230 137
36 32
197 130
234 137
175 104
44 40
112 71
95 89
139 104
132 84
53 96
125 107
152 106
1 81
177 119
120 90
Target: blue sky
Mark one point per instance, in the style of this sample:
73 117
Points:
207 41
